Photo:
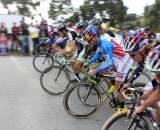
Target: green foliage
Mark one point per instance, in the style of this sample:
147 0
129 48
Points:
152 15
130 17
114 9
74 18
22 5
59 7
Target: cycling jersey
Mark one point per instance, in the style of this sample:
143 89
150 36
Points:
109 48
82 49
71 35
114 55
61 42
151 85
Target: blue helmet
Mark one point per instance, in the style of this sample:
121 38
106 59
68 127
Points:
90 32
80 25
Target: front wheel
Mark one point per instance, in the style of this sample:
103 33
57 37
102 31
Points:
41 62
120 121
75 103
55 80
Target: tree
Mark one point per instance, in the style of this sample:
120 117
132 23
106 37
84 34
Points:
113 8
74 18
152 15
60 7
130 17
23 6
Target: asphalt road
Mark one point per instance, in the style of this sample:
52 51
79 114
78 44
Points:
25 106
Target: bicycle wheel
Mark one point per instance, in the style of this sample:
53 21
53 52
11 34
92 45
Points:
55 80
120 121
103 86
75 107
41 62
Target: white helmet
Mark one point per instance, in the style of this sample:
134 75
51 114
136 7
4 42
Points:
153 60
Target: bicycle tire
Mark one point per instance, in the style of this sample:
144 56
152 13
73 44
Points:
113 119
46 61
61 84
103 94
77 115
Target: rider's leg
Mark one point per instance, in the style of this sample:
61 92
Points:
158 113
123 68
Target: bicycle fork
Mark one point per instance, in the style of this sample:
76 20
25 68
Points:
58 73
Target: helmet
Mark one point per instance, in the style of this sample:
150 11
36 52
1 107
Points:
61 28
80 25
153 60
89 32
96 22
133 43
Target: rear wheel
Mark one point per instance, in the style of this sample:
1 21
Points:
75 104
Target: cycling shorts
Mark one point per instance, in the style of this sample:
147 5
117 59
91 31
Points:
123 66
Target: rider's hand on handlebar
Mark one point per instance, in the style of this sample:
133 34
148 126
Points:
138 109
92 72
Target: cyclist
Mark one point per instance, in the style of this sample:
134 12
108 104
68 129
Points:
65 37
138 46
152 89
83 49
80 26
80 44
110 49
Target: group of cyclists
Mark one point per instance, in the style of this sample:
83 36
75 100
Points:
97 43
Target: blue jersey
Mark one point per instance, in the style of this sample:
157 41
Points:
107 47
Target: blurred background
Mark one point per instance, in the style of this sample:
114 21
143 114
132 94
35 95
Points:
118 13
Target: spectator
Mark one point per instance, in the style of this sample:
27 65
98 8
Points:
15 37
43 31
34 33
3 29
25 37
3 44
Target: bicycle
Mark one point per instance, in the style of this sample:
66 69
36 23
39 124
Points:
143 121
63 73
45 57
93 88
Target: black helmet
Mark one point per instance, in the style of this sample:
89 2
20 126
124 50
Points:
80 25
96 22
61 28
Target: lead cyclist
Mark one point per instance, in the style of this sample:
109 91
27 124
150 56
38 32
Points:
111 50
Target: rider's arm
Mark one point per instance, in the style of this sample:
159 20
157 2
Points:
152 99
108 56
96 56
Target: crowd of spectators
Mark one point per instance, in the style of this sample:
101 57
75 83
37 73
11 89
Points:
21 36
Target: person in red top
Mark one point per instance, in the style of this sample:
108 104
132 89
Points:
3 44
15 37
